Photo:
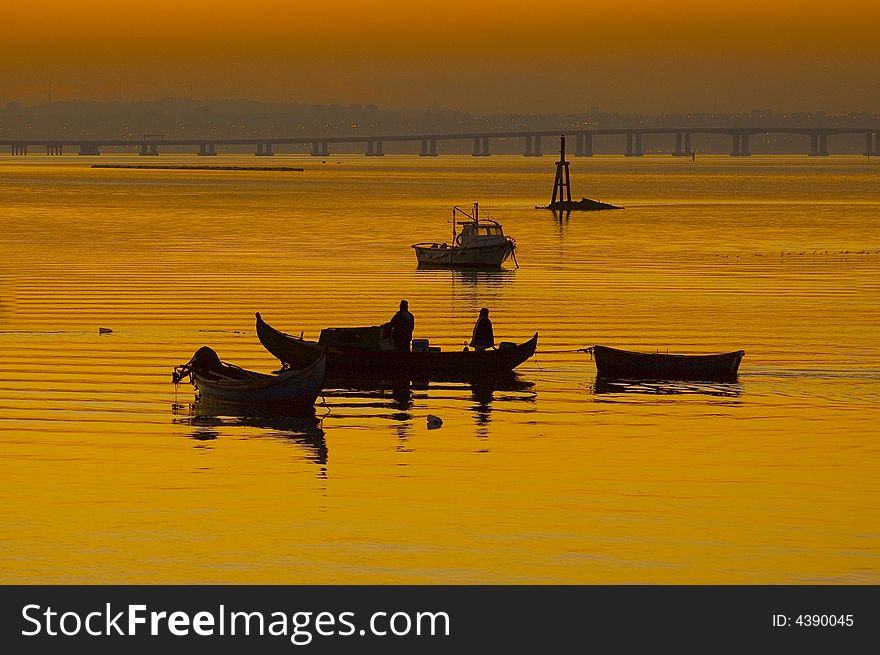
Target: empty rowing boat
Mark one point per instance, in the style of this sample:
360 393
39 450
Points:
625 364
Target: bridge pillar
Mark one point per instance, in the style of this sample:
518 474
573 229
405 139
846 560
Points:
264 150
872 138
533 146
19 149
53 149
89 149
739 145
633 144
583 145
429 148
207 150
374 148
320 149
481 146
818 144
682 144
149 150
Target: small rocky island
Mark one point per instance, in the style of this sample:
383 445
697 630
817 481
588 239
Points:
582 205
561 200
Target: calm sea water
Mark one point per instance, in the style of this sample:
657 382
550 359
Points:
107 476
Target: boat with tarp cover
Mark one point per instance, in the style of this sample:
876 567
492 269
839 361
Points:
624 364
216 381
366 351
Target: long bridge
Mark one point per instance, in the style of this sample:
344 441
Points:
816 138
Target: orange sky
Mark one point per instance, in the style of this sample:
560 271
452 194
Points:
478 55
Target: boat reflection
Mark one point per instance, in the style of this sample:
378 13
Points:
395 399
471 276
667 387
304 430
379 394
484 394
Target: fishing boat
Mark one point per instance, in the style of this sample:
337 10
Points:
217 382
480 243
624 364
370 358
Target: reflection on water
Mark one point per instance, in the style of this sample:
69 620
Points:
304 430
394 399
388 400
468 277
667 387
509 389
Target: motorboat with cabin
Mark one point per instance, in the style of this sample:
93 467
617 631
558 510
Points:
476 243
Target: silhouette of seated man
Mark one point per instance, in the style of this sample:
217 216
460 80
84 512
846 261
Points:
483 336
402 325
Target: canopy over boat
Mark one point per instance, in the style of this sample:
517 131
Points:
353 361
480 244
625 364
218 382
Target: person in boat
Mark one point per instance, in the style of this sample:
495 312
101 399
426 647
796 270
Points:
402 325
483 336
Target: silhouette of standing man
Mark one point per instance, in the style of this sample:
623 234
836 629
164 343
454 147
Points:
402 325
484 336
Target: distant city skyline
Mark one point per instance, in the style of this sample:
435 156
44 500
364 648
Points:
479 57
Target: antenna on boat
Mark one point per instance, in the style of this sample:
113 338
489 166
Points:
562 183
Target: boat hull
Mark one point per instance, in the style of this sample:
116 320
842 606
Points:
295 388
450 365
612 363
490 256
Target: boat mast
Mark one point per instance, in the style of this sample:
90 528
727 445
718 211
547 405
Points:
453 225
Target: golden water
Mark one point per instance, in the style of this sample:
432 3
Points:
107 477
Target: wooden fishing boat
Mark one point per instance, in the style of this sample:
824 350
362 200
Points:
357 361
624 364
217 382
480 244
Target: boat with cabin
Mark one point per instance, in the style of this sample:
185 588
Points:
480 243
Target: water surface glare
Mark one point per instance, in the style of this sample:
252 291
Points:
108 476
